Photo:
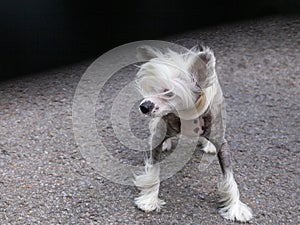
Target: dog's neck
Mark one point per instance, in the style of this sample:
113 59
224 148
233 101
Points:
200 106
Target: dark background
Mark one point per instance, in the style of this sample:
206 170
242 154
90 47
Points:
37 35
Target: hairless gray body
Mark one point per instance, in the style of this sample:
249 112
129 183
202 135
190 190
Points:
213 130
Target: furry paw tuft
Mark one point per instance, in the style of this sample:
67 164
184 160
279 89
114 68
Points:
149 203
238 211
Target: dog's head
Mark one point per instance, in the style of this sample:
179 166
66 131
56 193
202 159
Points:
174 82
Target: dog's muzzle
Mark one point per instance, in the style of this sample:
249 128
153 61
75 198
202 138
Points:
146 107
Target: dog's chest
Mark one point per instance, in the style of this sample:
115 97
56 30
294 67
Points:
192 128
189 128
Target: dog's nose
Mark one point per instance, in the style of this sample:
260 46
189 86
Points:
146 107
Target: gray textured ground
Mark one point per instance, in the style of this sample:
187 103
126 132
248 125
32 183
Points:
45 180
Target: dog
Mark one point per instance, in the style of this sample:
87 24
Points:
181 90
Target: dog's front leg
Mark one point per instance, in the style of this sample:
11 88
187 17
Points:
231 207
149 181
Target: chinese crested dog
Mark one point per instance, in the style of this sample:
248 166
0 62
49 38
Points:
182 91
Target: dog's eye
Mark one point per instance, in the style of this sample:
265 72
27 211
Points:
168 93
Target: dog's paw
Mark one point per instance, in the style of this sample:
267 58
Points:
238 211
209 148
167 145
149 203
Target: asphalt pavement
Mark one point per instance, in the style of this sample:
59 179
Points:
44 178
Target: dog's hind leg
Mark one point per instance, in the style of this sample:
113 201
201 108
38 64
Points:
149 181
231 207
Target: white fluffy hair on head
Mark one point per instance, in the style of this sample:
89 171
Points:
196 62
177 78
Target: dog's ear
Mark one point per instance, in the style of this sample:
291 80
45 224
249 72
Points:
145 53
203 68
